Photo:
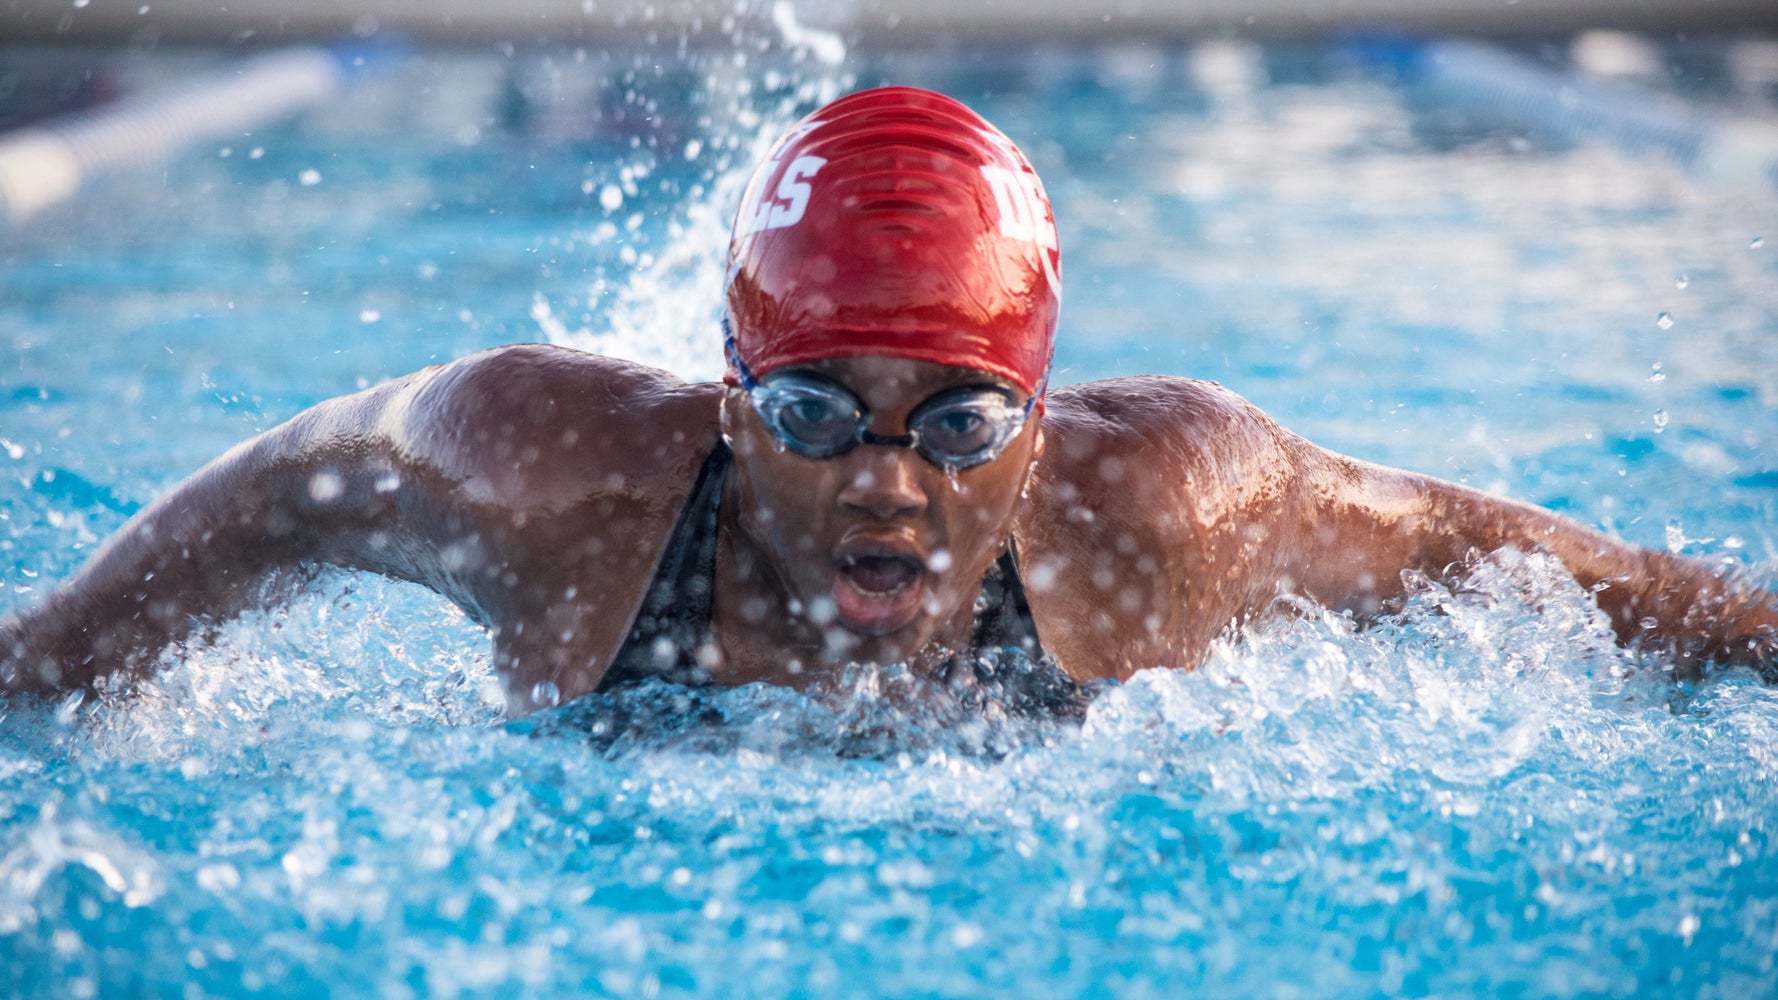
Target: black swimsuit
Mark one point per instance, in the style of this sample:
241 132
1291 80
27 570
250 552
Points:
670 638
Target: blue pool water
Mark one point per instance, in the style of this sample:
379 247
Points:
1480 795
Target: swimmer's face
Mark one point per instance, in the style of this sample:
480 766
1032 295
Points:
880 547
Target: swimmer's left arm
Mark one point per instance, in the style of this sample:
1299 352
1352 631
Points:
1373 522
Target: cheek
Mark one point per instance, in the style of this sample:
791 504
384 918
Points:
993 491
980 517
783 500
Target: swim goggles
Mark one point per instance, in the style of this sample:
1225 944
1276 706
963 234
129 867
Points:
817 417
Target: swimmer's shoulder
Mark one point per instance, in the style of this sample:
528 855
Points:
1132 515
1142 451
1181 417
1135 538
543 428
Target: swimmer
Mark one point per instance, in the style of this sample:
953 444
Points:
883 476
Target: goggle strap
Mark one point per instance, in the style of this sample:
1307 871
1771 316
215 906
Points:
733 352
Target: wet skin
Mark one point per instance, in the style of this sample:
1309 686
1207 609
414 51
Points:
537 486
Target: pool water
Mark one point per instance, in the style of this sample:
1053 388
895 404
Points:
1479 795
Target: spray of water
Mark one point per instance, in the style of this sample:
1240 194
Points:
663 308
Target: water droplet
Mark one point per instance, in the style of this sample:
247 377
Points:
1655 374
1664 321
220 877
369 316
256 152
309 177
68 709
1758 241
939 560
611 197
1682 281
325 486
546 693
1660 421
81 3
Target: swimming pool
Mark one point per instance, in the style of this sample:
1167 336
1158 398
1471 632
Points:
1479 796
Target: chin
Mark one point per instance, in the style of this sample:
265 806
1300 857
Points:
903 646
888 639
871 642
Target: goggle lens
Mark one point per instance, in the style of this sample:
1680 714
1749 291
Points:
810 418
965 426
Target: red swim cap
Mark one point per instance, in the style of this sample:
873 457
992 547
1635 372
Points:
897 222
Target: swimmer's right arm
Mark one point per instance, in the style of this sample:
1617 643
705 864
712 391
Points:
531 485
310 490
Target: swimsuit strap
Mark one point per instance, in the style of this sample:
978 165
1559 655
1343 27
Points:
1007 666
1003 615
674 620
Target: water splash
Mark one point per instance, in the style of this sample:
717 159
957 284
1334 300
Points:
663 309
335 798
993 706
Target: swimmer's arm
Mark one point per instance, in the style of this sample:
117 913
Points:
529 484
1370 523
313 490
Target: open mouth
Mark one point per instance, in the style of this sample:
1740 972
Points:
877 593
880 575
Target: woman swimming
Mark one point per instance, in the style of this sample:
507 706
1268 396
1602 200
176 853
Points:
883 477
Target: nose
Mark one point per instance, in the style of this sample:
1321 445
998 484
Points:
884 482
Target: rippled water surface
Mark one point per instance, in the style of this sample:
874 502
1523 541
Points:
1479 795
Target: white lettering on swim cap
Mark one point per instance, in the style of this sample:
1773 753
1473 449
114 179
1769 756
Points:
1025 215
791 199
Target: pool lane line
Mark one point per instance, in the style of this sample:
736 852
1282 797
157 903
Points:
45 163
1718 149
